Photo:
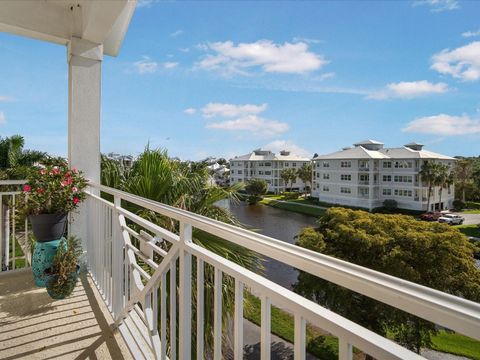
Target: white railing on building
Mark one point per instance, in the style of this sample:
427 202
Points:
148 275
14 234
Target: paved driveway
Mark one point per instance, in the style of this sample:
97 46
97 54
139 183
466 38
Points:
470 219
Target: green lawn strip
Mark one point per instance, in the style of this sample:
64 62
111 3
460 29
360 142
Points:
457 344
469 230
472 211
290 206
19 263
319 344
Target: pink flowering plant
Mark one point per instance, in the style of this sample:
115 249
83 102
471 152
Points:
53 189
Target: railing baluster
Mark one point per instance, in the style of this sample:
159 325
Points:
238 321
299 338
217 316
118 258
345 351
173 309
163 316
2 245
14 251
265 336
185 294
200 309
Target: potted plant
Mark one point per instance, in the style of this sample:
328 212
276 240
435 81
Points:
50 193
62 277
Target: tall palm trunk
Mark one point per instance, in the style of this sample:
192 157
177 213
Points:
428 195
440 197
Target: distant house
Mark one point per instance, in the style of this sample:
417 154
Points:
266 165
367 174
219 173
125 160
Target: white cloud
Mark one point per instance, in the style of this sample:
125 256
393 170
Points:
145 66
462 63
279 145
170 65
231 59
190 111
438 5
444 125
3 119
251 123
232 110
176 33
307 40
471 33
408 90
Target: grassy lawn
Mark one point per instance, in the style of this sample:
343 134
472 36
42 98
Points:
472 211
456 344
472 208
291 206
19 263
323 346
469 230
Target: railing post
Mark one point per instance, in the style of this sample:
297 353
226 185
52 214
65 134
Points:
117 260
345 350
185 294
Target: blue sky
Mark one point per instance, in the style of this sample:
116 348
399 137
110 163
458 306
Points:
223 78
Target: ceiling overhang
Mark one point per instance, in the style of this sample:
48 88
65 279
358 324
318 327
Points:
57 21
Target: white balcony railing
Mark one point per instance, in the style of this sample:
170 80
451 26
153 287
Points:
150 278
14 234
148 275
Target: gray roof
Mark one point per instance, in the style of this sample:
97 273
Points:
262 155
360 152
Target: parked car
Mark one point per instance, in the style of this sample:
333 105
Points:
451 219
431 216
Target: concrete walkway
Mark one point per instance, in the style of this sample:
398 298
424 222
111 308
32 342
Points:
33 326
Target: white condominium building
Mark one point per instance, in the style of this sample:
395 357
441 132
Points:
266 165
368 174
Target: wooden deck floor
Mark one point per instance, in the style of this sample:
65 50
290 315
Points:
33 326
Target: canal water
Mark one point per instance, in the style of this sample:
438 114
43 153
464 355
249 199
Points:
279 224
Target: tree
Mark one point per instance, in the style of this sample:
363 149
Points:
443 179
463 174
429 174
288 176
14 159
305 174
154 176
396 245
256 188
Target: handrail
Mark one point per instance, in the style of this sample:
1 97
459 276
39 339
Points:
443 309
12 182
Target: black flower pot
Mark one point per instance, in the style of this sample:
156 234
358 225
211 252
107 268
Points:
48 227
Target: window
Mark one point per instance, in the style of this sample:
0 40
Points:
402 164
318 175
318 164
387 178
260 164
268 164
326 176
294 164
318 186
345 190
326 188
240 172
363 191
346 177
387 192
268 173
364 177
403 192
404 179
232 172
387 164
363 164
326 164
346 164
286 164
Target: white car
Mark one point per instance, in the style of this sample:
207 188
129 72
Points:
451 219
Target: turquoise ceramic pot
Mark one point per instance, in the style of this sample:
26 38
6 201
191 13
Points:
42 259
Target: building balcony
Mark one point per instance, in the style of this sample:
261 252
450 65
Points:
139 275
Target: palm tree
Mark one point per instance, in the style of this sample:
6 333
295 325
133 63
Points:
463 174
442 179
156 177
429 174
305 174
288 176
14 160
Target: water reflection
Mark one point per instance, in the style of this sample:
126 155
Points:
279 224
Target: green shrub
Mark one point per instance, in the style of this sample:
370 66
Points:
458 205
290 195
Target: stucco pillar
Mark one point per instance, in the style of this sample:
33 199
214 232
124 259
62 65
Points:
84 92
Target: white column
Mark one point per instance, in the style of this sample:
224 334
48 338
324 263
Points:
84 91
